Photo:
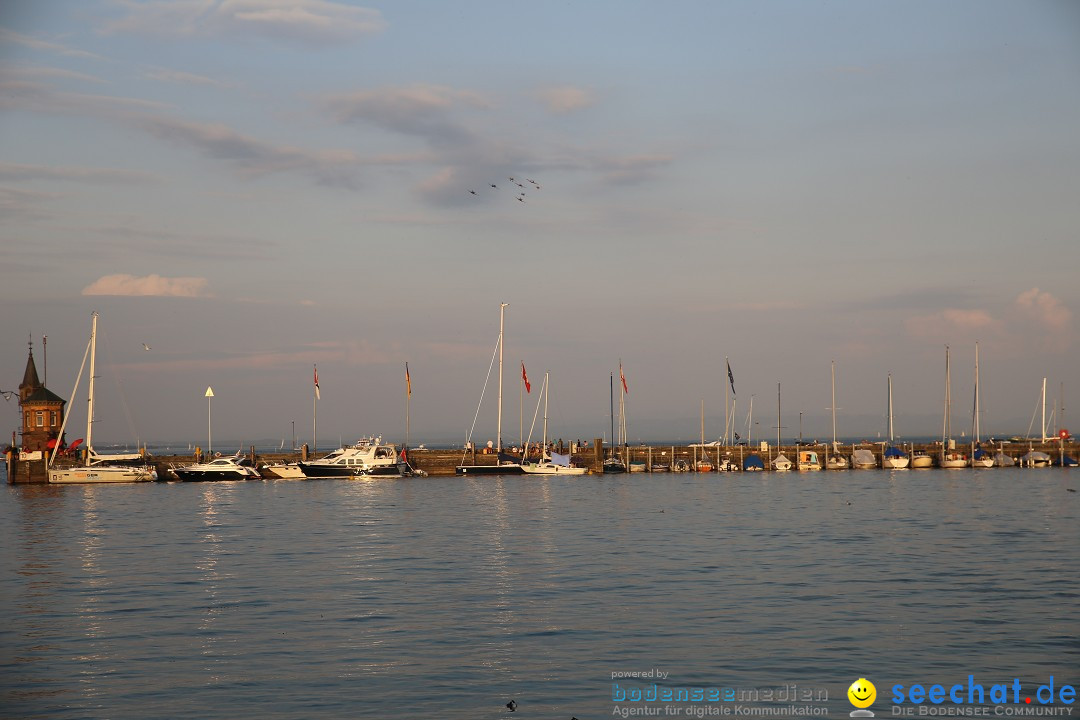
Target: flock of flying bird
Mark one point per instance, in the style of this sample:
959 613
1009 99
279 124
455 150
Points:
520 197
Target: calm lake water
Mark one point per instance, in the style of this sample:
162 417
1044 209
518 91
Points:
447 597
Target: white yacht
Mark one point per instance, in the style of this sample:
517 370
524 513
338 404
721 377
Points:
370 455
221 468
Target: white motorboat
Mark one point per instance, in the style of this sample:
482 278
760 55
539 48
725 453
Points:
368 454
836 461
129 467
283 471
921 460
808 461
234 467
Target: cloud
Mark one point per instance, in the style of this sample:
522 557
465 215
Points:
947 324
1049 315
32 71
1045 309
19 91
423 110
255 157
150 285
631 170
565 99
21 203
9 36
178 77
313 23
22 173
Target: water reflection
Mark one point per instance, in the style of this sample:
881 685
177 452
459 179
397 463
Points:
446 596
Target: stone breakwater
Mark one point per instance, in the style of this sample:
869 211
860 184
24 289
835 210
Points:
442 462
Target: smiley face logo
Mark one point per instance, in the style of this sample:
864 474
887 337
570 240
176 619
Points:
862 693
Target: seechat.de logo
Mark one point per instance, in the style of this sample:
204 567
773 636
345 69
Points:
862 694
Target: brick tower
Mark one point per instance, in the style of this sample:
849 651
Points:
42 411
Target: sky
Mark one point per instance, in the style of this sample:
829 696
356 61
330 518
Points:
255 188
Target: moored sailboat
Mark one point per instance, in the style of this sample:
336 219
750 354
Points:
98 468
893 458
550 463
780 463
949 457
835 461
504 464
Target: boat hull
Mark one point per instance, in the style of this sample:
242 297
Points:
284 471
549 469
922 461
510 469
82 475
207 475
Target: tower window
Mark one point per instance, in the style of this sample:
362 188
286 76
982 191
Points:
40 417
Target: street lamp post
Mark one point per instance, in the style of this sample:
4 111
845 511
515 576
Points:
209 434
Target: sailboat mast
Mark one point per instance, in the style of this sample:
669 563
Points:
90 400
703 423
833 408
543 451
611 404
727 417
750 422
777 417
890 409
1043 400
946 431
975 430
498 435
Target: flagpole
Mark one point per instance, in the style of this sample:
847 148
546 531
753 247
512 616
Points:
408 397
315 415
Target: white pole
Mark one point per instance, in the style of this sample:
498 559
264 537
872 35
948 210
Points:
209 435
1043 400
498 436
833 370
90 401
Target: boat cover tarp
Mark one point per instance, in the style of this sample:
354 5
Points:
504 458
753 461
1003 460
980 453
863 456
557 459
1068 461
894 452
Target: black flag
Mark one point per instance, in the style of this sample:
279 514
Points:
731 378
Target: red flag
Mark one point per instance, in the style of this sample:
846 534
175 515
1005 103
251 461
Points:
317 395
408 381
528 385
623 379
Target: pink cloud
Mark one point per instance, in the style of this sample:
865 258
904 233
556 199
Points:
950 323
1047 313
150 285
565 99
